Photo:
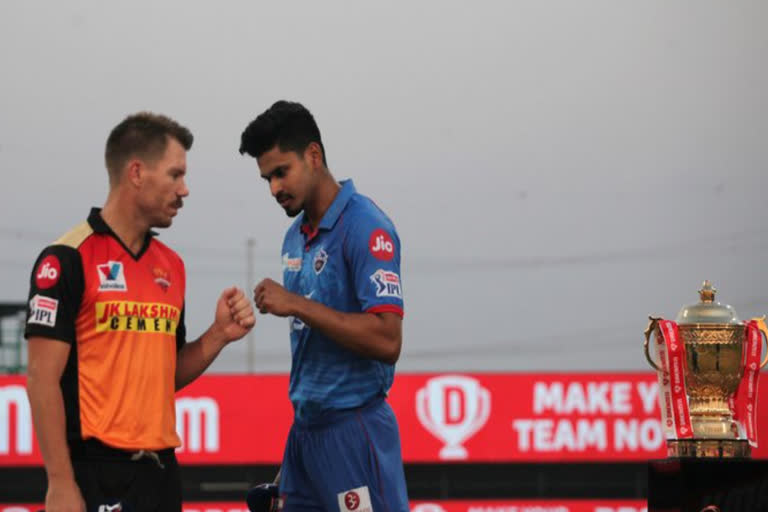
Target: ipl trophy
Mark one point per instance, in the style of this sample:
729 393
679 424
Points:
707 362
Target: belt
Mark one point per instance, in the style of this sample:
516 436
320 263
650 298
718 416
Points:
148 454
95 449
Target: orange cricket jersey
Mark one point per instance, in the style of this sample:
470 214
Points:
123 314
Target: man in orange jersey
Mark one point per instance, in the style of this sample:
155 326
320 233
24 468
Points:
107 340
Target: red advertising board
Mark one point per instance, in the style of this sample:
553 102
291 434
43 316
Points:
442 417
432 506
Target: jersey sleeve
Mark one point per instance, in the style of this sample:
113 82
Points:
55 293
181 330
372 249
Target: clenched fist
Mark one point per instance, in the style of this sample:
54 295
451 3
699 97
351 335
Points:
234 314
270 297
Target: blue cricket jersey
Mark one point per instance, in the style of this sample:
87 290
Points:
351 263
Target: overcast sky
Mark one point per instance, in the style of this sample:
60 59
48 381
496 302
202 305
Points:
557 170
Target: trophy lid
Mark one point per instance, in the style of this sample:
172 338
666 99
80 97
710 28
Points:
707 311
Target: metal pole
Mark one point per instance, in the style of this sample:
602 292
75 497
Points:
250 245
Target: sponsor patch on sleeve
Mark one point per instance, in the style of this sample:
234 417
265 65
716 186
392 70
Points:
381 245
387 284
355 500
48 272
42 310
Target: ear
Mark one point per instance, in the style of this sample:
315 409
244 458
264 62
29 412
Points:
134 172
314 155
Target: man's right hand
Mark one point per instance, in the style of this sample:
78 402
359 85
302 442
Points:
64 496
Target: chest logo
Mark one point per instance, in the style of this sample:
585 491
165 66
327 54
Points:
295 322
291 264
162 278
321 258
111 277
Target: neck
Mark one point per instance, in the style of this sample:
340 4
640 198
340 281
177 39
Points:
322 200
121 216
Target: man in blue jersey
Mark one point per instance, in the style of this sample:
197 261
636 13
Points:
343 297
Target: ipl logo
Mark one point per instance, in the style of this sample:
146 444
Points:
453 408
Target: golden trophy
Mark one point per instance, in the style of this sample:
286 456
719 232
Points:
707 361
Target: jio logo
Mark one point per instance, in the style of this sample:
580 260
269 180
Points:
381 245
48 272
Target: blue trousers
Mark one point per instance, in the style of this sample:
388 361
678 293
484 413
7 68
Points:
349 461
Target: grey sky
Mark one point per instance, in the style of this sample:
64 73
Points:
556 170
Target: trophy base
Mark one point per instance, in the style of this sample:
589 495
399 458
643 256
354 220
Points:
714 448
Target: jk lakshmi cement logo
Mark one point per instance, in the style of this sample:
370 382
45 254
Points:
453 408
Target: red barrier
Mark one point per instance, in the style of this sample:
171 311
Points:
435 506
442 417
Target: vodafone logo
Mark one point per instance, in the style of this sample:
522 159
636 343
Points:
48 272
381 245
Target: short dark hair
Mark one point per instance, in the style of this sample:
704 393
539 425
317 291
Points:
287 125
145 135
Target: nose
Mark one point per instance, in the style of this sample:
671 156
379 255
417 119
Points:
275 186
183 189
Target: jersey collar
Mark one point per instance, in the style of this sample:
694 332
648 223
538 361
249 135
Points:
98 225
337 206
333 212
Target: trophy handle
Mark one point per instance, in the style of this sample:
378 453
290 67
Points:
764 335
648 332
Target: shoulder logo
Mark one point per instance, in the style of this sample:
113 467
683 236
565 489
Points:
291 264
321 258
48 272
42 310
111 277
387 284
381 245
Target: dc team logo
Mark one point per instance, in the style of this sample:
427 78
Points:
42 310
381 245
355 500
453 408
321 258
111 277
387 284
48 272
